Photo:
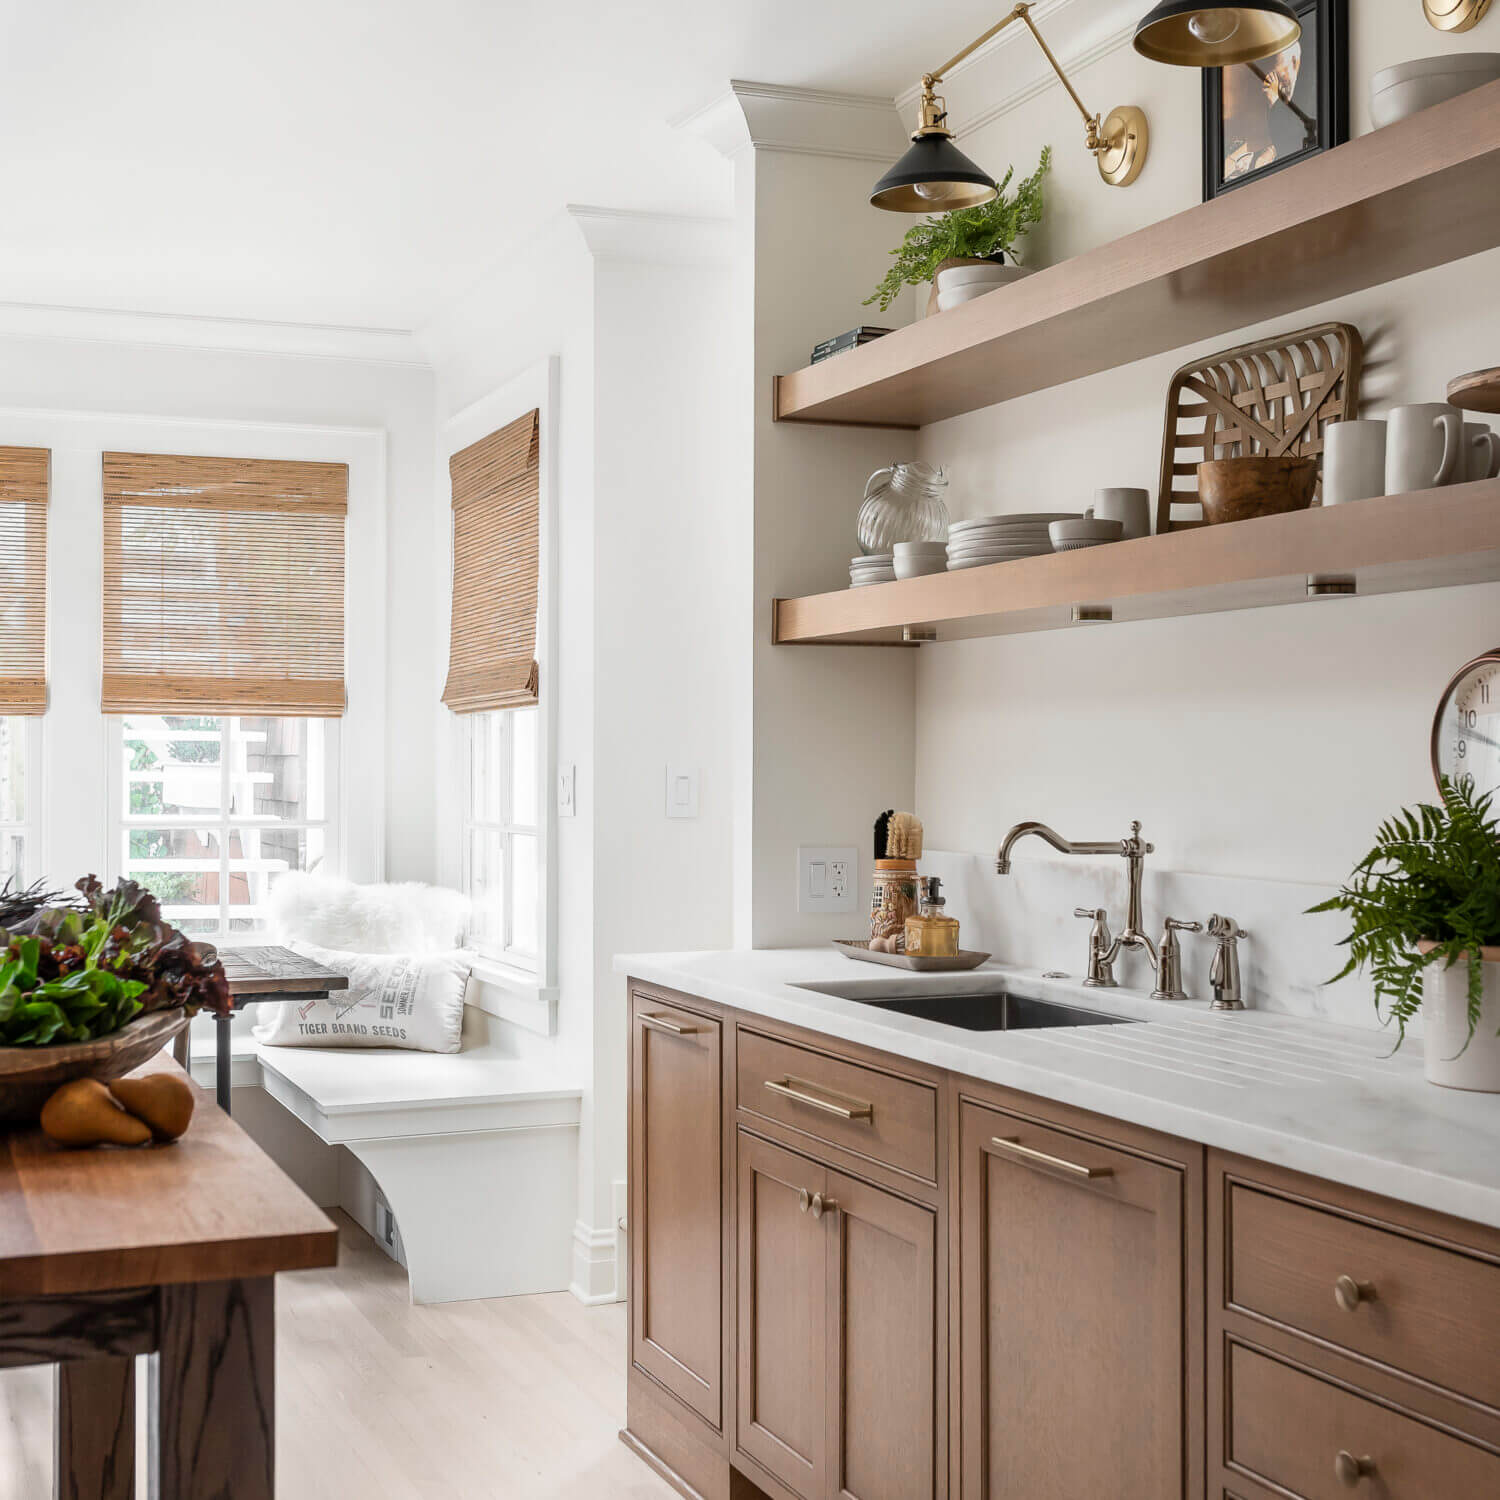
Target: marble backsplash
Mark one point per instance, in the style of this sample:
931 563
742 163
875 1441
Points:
1026 918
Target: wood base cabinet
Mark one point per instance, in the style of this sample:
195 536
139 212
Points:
1076 1324
837 1318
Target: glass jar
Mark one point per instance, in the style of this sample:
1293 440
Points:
903 503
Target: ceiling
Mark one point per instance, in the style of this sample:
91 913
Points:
361 163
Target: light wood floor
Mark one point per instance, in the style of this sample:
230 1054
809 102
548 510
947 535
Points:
520 1398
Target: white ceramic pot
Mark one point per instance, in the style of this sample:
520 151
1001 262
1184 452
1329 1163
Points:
1407 87
1445 1027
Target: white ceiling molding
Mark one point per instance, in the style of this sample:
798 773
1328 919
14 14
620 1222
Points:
1010 70
660 239
226 335
815 122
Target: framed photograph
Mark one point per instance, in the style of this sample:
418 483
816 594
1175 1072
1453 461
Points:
1261 116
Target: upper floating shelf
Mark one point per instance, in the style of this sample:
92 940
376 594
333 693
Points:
1414 195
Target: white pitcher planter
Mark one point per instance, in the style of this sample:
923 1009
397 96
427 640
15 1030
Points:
1445 1027
961 279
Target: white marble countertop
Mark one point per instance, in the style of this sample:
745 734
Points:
1323 1099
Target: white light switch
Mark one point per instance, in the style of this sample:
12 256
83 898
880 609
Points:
682 791
826 879
567 794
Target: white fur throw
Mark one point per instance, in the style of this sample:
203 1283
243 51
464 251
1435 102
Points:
412 1000
406 918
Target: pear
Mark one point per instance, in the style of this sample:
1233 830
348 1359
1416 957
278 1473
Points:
163 1100
81 1113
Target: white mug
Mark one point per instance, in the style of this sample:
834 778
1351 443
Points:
1423 447
1481 452
1353 461
1131 507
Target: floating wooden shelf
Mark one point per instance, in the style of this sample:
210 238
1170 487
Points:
1417 194
1430 539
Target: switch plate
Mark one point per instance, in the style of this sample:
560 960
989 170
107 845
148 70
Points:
682 791
567 789
826 879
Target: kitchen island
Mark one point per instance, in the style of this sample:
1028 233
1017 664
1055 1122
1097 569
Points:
1193 1254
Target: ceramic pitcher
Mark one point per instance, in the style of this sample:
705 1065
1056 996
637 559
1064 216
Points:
903 503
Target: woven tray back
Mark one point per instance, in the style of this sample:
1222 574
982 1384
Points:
1274 397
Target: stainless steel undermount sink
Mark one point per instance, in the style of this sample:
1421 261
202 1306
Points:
977 1009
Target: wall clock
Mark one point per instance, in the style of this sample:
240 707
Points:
1466 729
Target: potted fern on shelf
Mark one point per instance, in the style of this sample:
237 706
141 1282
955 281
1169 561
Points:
964 253
1425 908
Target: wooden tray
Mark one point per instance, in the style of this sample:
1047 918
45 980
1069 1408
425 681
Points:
28 1075
860 948
1477 391
1273 398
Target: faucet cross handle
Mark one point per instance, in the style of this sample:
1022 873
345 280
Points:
1169 960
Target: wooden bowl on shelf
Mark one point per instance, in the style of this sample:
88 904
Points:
1240 489
28 1075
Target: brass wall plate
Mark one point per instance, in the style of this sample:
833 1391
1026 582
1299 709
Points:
1454 15
1126 139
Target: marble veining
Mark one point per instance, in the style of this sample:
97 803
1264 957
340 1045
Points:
1321 1098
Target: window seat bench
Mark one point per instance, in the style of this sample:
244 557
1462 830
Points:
475 1151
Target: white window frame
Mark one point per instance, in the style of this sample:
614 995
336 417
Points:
30 827
223 823
523 993
509 949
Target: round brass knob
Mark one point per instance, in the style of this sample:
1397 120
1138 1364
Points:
822 1205
1350 1470
803 1199
1349 1293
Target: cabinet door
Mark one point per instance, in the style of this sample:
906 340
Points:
676 1207
882 1342
782 1278
1073 1317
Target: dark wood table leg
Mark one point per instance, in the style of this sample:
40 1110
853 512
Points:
95 1429
223 1053
216 1391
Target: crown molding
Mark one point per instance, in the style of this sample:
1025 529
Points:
661 239
1010 70
810 122
224 335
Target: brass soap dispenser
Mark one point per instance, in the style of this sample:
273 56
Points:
931 933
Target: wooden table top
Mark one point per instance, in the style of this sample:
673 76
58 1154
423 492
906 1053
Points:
278 971
207 1207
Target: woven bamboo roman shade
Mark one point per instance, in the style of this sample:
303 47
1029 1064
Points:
492 654
23 580
223 585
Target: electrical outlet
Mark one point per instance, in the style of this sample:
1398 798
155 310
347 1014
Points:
826 879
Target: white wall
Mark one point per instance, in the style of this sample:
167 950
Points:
1266 743
79 395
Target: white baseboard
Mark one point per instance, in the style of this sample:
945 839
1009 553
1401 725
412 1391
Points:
593 1264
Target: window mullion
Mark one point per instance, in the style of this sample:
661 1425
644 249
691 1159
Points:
226 741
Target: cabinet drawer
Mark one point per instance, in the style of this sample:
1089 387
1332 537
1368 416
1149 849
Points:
874 1114
1318 1441
1429 1312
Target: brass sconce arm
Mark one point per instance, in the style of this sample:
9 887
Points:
1119 145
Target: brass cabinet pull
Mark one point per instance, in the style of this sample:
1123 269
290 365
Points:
665 1023
853 1110
1041 1158
822 1205
1349 1293
804 1198
1350 1470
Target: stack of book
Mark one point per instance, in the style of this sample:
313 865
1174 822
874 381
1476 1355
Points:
851 340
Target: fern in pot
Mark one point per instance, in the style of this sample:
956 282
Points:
968 251
1425 909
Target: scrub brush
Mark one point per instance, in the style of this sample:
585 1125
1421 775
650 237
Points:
904 841
883 832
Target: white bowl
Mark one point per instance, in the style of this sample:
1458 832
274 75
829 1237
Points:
1087 531
989 276
919 549
1409 87
919 567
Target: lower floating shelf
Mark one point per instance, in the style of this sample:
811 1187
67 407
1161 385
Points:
1426 540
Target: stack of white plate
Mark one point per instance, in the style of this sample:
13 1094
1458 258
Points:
874 567
992 539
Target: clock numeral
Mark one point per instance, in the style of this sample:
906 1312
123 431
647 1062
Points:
1484 692
1467 781
1463 749
1470 719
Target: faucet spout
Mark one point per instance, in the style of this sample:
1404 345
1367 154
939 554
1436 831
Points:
1053 837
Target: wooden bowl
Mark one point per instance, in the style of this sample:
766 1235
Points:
1240 489
28 1075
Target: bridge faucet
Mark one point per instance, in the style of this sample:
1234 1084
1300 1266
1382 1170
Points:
1134 851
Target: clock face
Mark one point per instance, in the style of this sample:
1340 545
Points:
1466 732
